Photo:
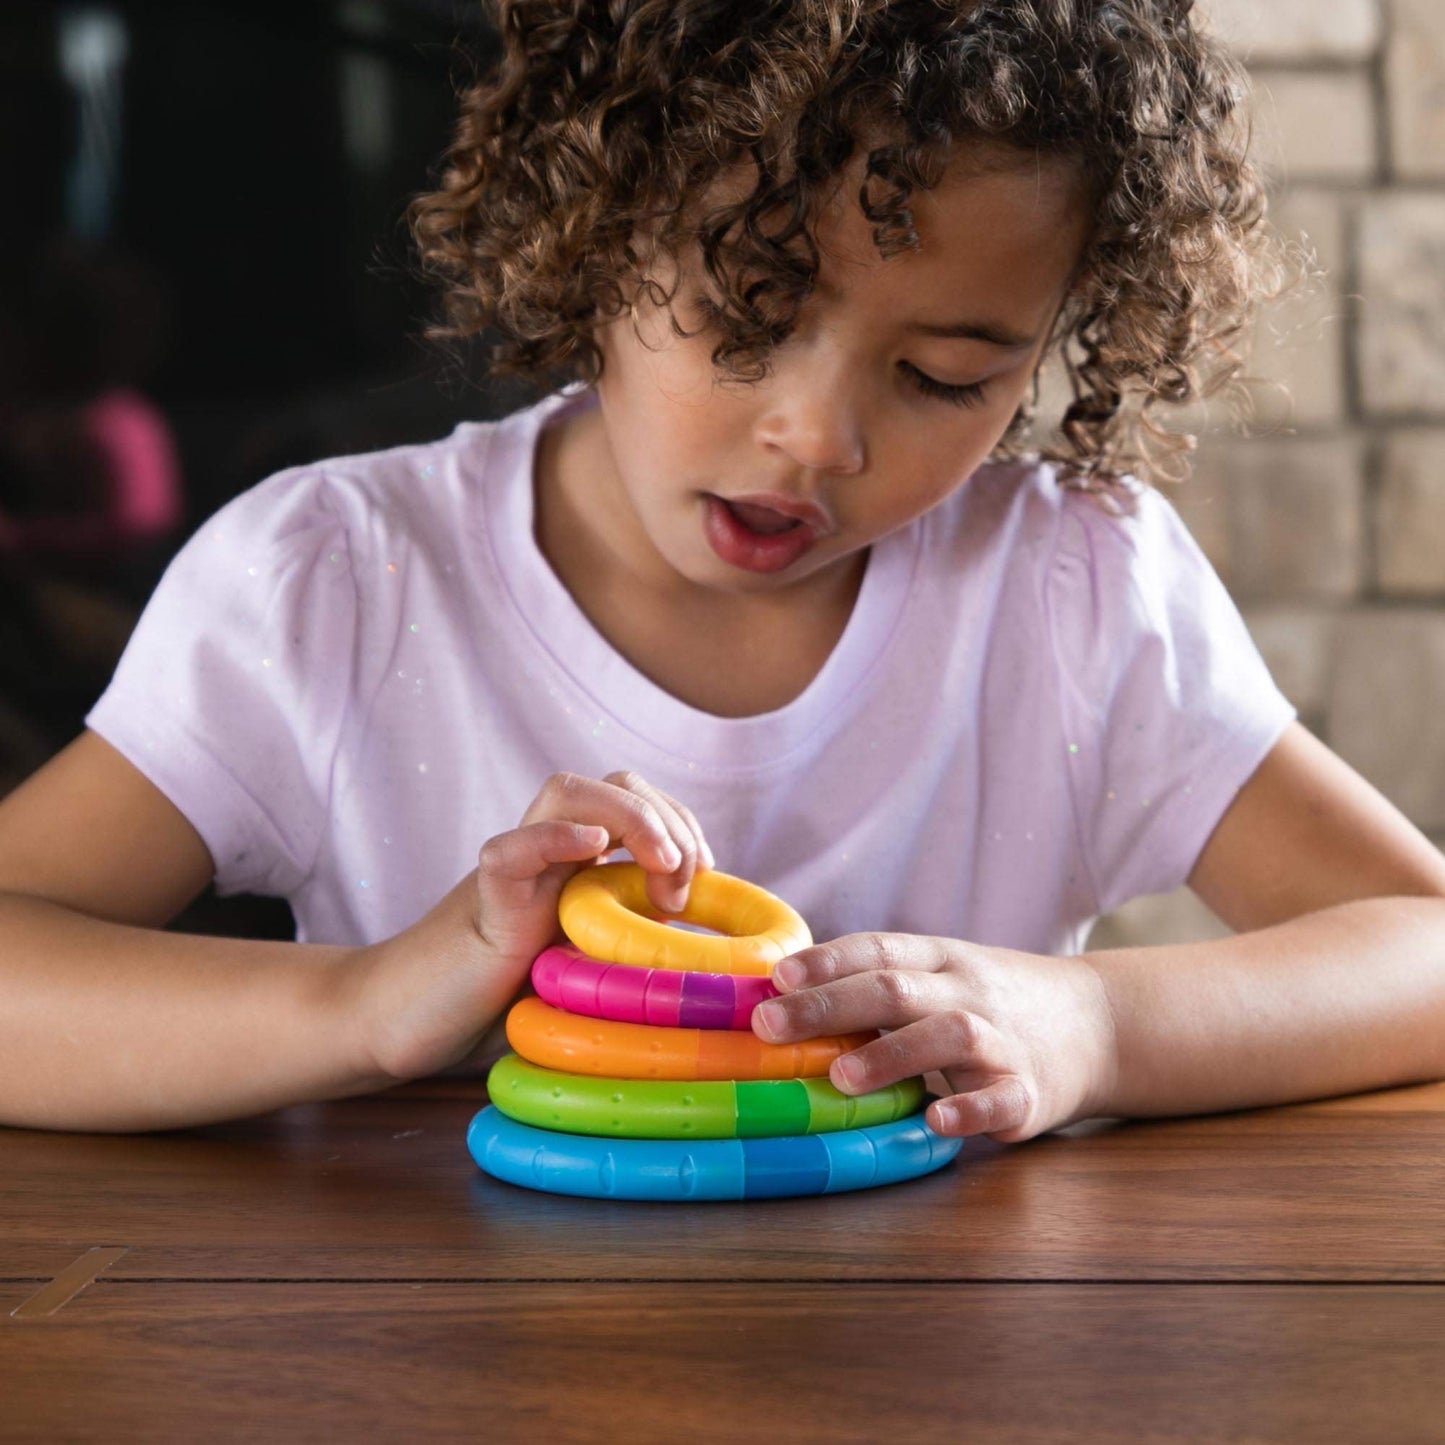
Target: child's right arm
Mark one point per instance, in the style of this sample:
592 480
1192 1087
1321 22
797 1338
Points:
109 1023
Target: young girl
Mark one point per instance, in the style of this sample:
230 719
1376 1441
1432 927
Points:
770 586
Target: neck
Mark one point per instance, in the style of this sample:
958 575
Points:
729 654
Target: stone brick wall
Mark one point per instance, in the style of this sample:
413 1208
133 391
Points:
1327 521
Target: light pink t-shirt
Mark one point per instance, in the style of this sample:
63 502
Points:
358 671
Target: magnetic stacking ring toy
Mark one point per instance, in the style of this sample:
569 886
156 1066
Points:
696 1169
606 912
687 1109
662 997
556 1040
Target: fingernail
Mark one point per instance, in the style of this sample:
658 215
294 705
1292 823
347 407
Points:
948 1118
671 857
850 1071
788 973
771 1017
707 856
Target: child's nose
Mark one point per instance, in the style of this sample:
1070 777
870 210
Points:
815 422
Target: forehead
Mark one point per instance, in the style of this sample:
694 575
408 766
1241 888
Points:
1001 233
1005 227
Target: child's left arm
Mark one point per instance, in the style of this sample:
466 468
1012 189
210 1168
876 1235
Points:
1335 983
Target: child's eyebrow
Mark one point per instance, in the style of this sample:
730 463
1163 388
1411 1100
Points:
989 331
993 332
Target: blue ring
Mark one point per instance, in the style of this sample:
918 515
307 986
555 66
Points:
695 1169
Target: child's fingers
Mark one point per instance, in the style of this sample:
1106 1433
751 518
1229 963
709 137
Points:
520 856
632 821
513 881
857 953
944 1041
705 857
669 894
1001 1109
878 1000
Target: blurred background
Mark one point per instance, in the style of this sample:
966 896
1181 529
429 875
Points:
203 279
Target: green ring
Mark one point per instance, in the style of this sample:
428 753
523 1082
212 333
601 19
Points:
689 1109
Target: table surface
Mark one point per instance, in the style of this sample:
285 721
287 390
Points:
344 1269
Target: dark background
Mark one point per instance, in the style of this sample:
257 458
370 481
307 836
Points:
224 186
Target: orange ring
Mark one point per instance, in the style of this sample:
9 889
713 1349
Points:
554 1039
606 913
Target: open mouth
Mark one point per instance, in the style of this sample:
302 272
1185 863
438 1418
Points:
753 537
762 520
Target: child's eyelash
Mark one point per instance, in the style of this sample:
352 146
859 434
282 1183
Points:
968 395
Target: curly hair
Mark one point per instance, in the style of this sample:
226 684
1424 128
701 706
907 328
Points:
603 122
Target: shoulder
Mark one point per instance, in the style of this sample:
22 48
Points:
1125 555
1024 512
1032 489
1090 578
398 490
424 494
1088 546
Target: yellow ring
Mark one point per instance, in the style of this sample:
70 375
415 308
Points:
606 913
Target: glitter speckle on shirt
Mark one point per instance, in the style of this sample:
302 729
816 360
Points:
421 767
415 627
1073 747
391 566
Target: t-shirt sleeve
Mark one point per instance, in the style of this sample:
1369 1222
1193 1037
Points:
1167 706
232 691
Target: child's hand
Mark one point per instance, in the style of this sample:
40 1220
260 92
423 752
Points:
430 994
1024 1042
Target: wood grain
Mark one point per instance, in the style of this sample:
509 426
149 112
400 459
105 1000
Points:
382 1188
1069 1364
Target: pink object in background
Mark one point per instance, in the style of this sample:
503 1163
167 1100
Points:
140 495
141 463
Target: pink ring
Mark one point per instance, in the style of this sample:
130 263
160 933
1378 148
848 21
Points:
568 979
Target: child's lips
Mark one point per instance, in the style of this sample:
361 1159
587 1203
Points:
772 511
759 536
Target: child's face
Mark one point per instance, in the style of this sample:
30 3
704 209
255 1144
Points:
871 412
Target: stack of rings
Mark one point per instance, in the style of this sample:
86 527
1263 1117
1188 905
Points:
637 1076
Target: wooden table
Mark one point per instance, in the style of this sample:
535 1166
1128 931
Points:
343 1271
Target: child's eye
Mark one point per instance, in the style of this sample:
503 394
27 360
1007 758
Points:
968 395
